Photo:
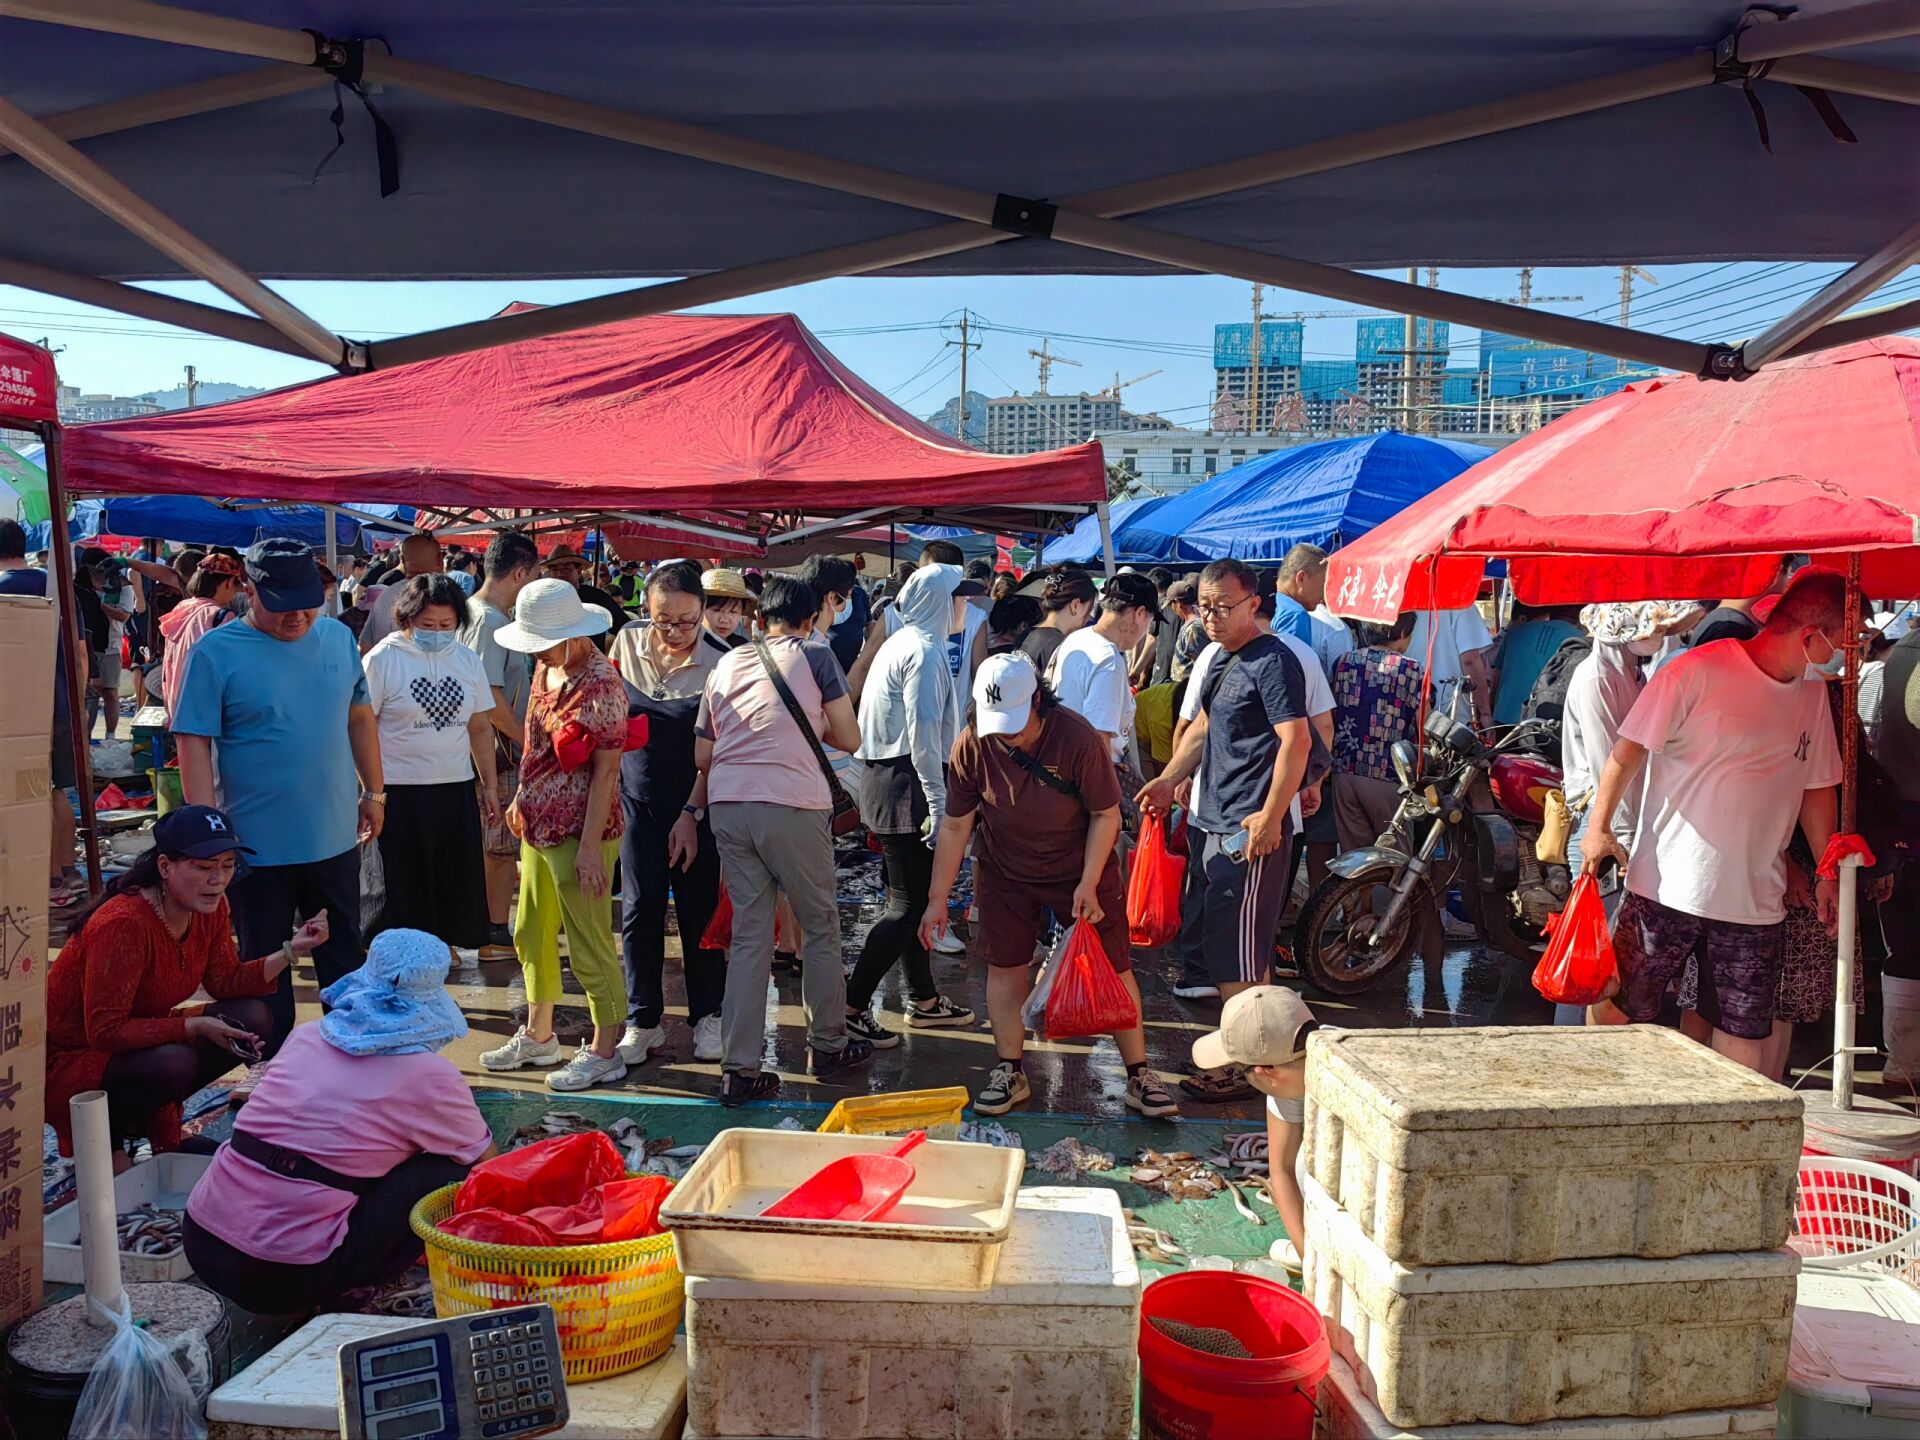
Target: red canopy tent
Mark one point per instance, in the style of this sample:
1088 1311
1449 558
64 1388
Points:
1681 488
741 428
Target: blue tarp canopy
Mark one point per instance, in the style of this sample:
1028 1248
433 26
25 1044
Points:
1325 494
1082 543
184 519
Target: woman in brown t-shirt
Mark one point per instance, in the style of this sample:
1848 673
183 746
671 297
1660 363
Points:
1039 783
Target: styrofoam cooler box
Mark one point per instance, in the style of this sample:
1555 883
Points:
1050 1349
1347 1414
1522 1145
1522 1344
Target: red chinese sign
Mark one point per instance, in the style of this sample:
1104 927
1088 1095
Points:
27 386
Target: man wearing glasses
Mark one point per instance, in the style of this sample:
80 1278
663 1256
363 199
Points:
668 846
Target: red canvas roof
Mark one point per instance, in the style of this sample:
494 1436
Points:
672 413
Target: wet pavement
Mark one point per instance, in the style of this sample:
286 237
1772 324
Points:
1470 985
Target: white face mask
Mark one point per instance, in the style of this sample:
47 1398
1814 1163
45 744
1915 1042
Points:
1834 665
1647 648
844 613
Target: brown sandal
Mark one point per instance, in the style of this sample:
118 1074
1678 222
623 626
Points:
1219 1087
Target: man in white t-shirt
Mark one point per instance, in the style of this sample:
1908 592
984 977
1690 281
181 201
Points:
1460 644
1088 673
1739 748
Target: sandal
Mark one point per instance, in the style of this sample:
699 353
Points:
1219 1087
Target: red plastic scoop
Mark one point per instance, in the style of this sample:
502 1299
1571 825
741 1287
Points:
854 1187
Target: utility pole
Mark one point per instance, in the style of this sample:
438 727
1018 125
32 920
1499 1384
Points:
1410 343
965 345
193 387
1253 366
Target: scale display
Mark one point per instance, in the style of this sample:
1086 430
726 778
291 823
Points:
497 1375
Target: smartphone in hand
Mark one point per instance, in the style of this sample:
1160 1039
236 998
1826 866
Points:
246 1045
1235 845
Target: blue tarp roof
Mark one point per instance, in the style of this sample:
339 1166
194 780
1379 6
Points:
185 519
958 93
1324 494
1082 543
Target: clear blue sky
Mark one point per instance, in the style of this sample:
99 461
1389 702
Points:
1161 324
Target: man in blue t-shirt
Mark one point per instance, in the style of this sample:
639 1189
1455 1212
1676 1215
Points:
1300 587
1253 734
274 727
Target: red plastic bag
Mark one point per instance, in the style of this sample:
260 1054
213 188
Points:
1154 887
632 1207
556 1172
1578 968
719 932
1088 998
489 1226
572 745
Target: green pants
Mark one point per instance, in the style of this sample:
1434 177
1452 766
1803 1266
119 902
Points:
549 899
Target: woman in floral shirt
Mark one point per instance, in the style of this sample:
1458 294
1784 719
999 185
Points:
1376 701
569 826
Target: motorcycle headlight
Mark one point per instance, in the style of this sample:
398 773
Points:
1406 761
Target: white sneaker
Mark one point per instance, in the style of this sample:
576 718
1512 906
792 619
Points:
244 1087
1197 992
523 1049
586 1069
949 943
635 1043
706 1038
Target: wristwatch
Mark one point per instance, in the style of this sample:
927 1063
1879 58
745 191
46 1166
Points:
379 797
698 812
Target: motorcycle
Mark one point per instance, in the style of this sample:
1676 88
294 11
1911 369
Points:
1470 815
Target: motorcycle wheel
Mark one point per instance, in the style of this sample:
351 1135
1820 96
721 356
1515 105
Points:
1330 938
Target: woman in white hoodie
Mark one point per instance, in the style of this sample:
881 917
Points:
431 696
909 719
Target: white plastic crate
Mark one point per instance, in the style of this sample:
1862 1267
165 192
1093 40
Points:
1524 1344
164 1181
1527 1144
1854 1370
1049 1350
1347 1414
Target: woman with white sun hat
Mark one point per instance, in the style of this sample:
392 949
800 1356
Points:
569 822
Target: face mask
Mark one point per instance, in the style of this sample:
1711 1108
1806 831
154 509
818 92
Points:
434 641
1647 648
844 613
1834 665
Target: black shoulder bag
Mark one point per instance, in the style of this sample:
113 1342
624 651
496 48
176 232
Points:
846 814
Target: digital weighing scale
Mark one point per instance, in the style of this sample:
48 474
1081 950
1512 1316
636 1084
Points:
495 1374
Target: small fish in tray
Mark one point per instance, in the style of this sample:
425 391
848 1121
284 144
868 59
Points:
149 1230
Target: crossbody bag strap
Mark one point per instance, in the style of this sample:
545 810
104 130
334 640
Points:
799 716
1040 772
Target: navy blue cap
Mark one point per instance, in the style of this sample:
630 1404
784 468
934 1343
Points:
199 832
285 576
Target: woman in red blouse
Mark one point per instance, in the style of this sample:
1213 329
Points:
115 1020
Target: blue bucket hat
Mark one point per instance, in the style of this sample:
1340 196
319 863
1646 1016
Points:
396 1003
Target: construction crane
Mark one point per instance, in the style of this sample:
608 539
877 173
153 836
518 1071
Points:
1628 274
1119 384
1047 361
1526 295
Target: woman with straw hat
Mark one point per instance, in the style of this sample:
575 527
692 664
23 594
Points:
569 822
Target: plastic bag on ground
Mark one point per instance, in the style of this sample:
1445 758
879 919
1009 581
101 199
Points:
1089 997
1033 1014
1154 887
143 1386
560 1171
1578 968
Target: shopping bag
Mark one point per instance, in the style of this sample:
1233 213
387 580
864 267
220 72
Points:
559 1171
1088 996
1154 887
1033 1014
143 1386
1579 967
719 932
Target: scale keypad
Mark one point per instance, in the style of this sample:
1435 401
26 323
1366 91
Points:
513 1372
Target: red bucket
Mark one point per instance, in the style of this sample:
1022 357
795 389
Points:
1187 1394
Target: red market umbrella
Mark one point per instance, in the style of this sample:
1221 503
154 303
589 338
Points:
1683 488
1674 488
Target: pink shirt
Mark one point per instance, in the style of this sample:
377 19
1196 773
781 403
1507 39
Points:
758 750
357 1114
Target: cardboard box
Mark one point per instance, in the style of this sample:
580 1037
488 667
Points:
26 725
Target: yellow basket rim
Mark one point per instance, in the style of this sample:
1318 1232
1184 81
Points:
613 1252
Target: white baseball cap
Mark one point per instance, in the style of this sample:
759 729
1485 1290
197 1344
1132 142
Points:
1003 693
1261 1026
